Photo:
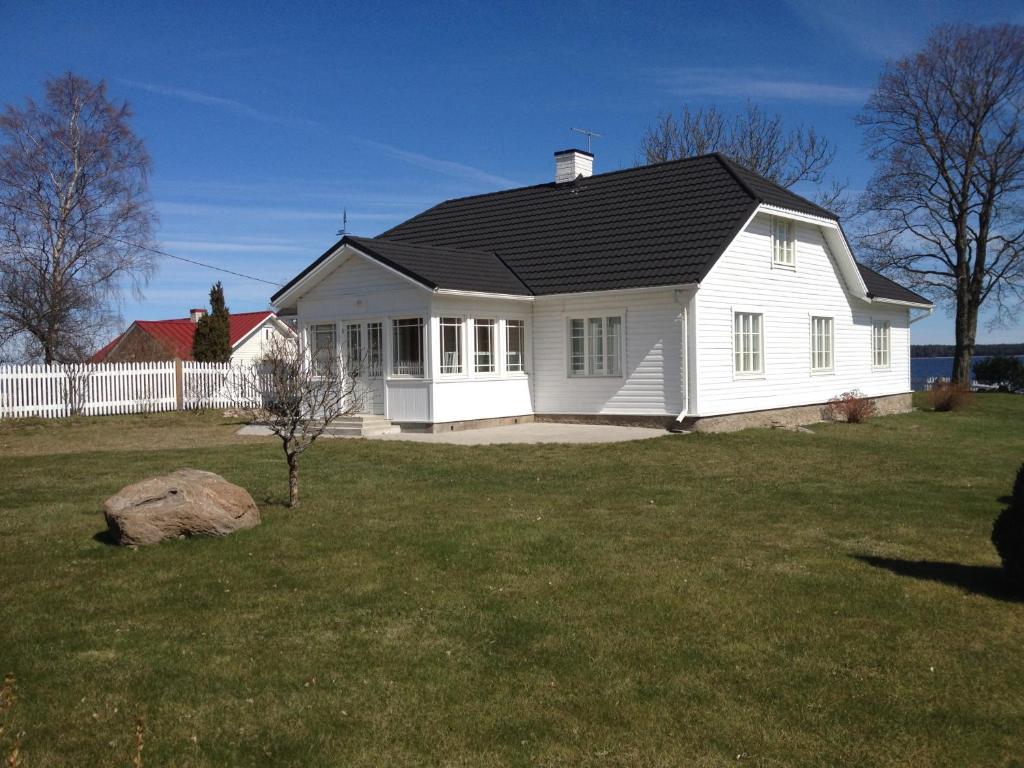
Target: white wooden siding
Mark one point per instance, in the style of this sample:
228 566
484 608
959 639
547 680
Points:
360 289
252 349
745 280
651 382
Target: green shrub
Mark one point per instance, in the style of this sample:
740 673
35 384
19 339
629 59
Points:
1008 533
1001 371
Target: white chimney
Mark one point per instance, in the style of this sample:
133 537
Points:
571 163
195 314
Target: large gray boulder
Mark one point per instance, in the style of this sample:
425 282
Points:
188 502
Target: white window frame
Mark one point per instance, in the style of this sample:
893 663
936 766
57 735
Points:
508 324
375 362
589 370
313 330
492 367
881 358
830 351
424 357
460 364
355 369
740 372
783 248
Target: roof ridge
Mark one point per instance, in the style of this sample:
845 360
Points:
732 165
676 161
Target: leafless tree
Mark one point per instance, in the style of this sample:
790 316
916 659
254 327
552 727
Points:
754 139
75 218
944 207
296 398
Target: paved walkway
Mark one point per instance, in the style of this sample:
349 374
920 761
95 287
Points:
533 433
515 433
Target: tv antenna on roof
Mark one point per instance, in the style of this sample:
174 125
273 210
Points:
589 134
344 223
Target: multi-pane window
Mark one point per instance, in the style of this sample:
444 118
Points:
880 344
353 349
783 242
821 343
515 345
748 343
407 342
324 347
483 351
451 345
374 349
595 346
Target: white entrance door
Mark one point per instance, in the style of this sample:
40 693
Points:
364 358
376 394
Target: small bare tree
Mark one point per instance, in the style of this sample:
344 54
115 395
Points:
945 207
76 387
754 139
296 398
75 219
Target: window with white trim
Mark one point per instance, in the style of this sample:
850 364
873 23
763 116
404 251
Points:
375 349
515 345
880 344
323 346
484 344
407 340
451 345
748 343
353 349
783 242
822 329
595 346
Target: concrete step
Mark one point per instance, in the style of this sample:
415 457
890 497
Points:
361 425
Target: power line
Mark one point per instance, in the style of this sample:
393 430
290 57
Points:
157 251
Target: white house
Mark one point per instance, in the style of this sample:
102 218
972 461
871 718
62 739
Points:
249 334
690 293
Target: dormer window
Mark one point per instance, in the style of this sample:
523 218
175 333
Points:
783 242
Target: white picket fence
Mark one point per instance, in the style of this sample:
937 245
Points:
55 391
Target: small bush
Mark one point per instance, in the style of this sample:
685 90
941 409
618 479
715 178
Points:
1001 371
851 407
1008 534
947 396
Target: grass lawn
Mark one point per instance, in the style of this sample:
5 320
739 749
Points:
763 598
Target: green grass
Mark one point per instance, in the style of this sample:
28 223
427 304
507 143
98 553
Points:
753 598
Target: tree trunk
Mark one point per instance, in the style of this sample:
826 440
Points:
966 331
293 479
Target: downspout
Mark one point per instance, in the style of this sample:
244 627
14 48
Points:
684 368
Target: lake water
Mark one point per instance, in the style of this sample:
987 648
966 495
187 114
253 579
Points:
923 368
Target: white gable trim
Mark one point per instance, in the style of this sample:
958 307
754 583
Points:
336 258
281 327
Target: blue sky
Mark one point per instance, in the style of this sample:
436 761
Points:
264 121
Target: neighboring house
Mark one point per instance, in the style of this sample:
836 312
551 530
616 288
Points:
686 291
152 340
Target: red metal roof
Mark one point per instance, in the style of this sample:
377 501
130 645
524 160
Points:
176 335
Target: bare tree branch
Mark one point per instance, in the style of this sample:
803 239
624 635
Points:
75 218
752 138
945 127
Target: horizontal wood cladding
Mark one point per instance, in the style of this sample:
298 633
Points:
651 379
745 280
358 289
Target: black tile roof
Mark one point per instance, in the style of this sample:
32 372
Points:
455 269
880 286
662 224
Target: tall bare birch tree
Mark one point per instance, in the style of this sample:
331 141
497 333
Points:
75 219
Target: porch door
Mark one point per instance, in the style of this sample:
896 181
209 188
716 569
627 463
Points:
364 357
376 394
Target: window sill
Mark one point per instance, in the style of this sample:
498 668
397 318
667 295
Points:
783 266
594 376
823 372
748 376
